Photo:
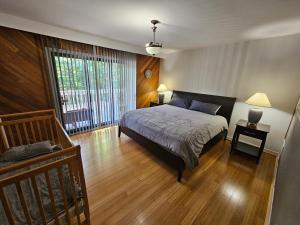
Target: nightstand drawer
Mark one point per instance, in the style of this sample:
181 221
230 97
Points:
254 134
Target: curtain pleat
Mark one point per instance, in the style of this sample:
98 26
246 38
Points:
92 86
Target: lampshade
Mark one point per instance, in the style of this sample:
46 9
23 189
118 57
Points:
162 88
259 99
153 49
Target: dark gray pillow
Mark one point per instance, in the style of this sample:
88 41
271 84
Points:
24 152
204 107
179 102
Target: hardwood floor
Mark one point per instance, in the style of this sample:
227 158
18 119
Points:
127 185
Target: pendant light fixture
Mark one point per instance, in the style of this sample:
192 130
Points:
152 47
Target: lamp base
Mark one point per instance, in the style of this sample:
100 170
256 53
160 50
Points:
161 98
254 116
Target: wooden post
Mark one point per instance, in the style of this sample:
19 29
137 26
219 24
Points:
3 136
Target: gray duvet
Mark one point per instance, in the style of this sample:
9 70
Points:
182 131
27 188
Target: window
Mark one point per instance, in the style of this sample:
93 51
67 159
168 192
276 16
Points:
94 91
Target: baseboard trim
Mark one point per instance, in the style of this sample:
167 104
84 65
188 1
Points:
266 150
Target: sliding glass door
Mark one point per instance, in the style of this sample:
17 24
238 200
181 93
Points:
93 91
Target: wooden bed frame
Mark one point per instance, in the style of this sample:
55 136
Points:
170 157
31 127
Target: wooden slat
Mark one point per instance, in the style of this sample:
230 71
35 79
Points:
51 132
4 137
39 130
38 199
6 208
23 203
63 137
24 120
83 186
26 133
32 131
19 134
11 136
73 190
46 128
63 192
51 197
31 113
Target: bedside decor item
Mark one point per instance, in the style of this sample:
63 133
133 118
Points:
153 47
255 114
148 73
162 88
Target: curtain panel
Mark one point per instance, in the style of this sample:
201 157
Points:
92 86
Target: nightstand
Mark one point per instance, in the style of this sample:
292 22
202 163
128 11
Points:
259 132
155 104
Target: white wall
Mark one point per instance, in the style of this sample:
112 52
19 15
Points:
239 70
15 22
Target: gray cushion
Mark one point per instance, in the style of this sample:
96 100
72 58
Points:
204 107
24 152
179 102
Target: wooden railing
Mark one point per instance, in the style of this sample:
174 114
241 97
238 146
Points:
27 128
71 215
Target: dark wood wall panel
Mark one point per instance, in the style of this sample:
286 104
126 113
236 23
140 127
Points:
24 74
22 80
146 88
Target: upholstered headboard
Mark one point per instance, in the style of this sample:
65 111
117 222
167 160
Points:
226 103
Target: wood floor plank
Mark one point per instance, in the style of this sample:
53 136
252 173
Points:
128 185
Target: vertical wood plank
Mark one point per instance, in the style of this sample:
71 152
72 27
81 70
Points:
26 133
46 129
38 199
11 136
63 192
51 197
32 131
51 131
23 203
3 136
83 185
39 130
19 134
6 208
73 190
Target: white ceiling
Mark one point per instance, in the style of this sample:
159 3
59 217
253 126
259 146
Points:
185 24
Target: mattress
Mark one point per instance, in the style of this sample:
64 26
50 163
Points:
183 132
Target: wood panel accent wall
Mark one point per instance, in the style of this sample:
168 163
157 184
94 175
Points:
23 86
24 75
146 88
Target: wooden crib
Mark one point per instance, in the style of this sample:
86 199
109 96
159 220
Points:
31 127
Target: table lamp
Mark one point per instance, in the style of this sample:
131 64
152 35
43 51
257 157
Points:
255 114
162 88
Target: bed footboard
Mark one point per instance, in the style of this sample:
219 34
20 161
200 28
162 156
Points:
167 156
156 149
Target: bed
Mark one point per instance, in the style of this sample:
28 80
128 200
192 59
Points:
45 189
178 135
